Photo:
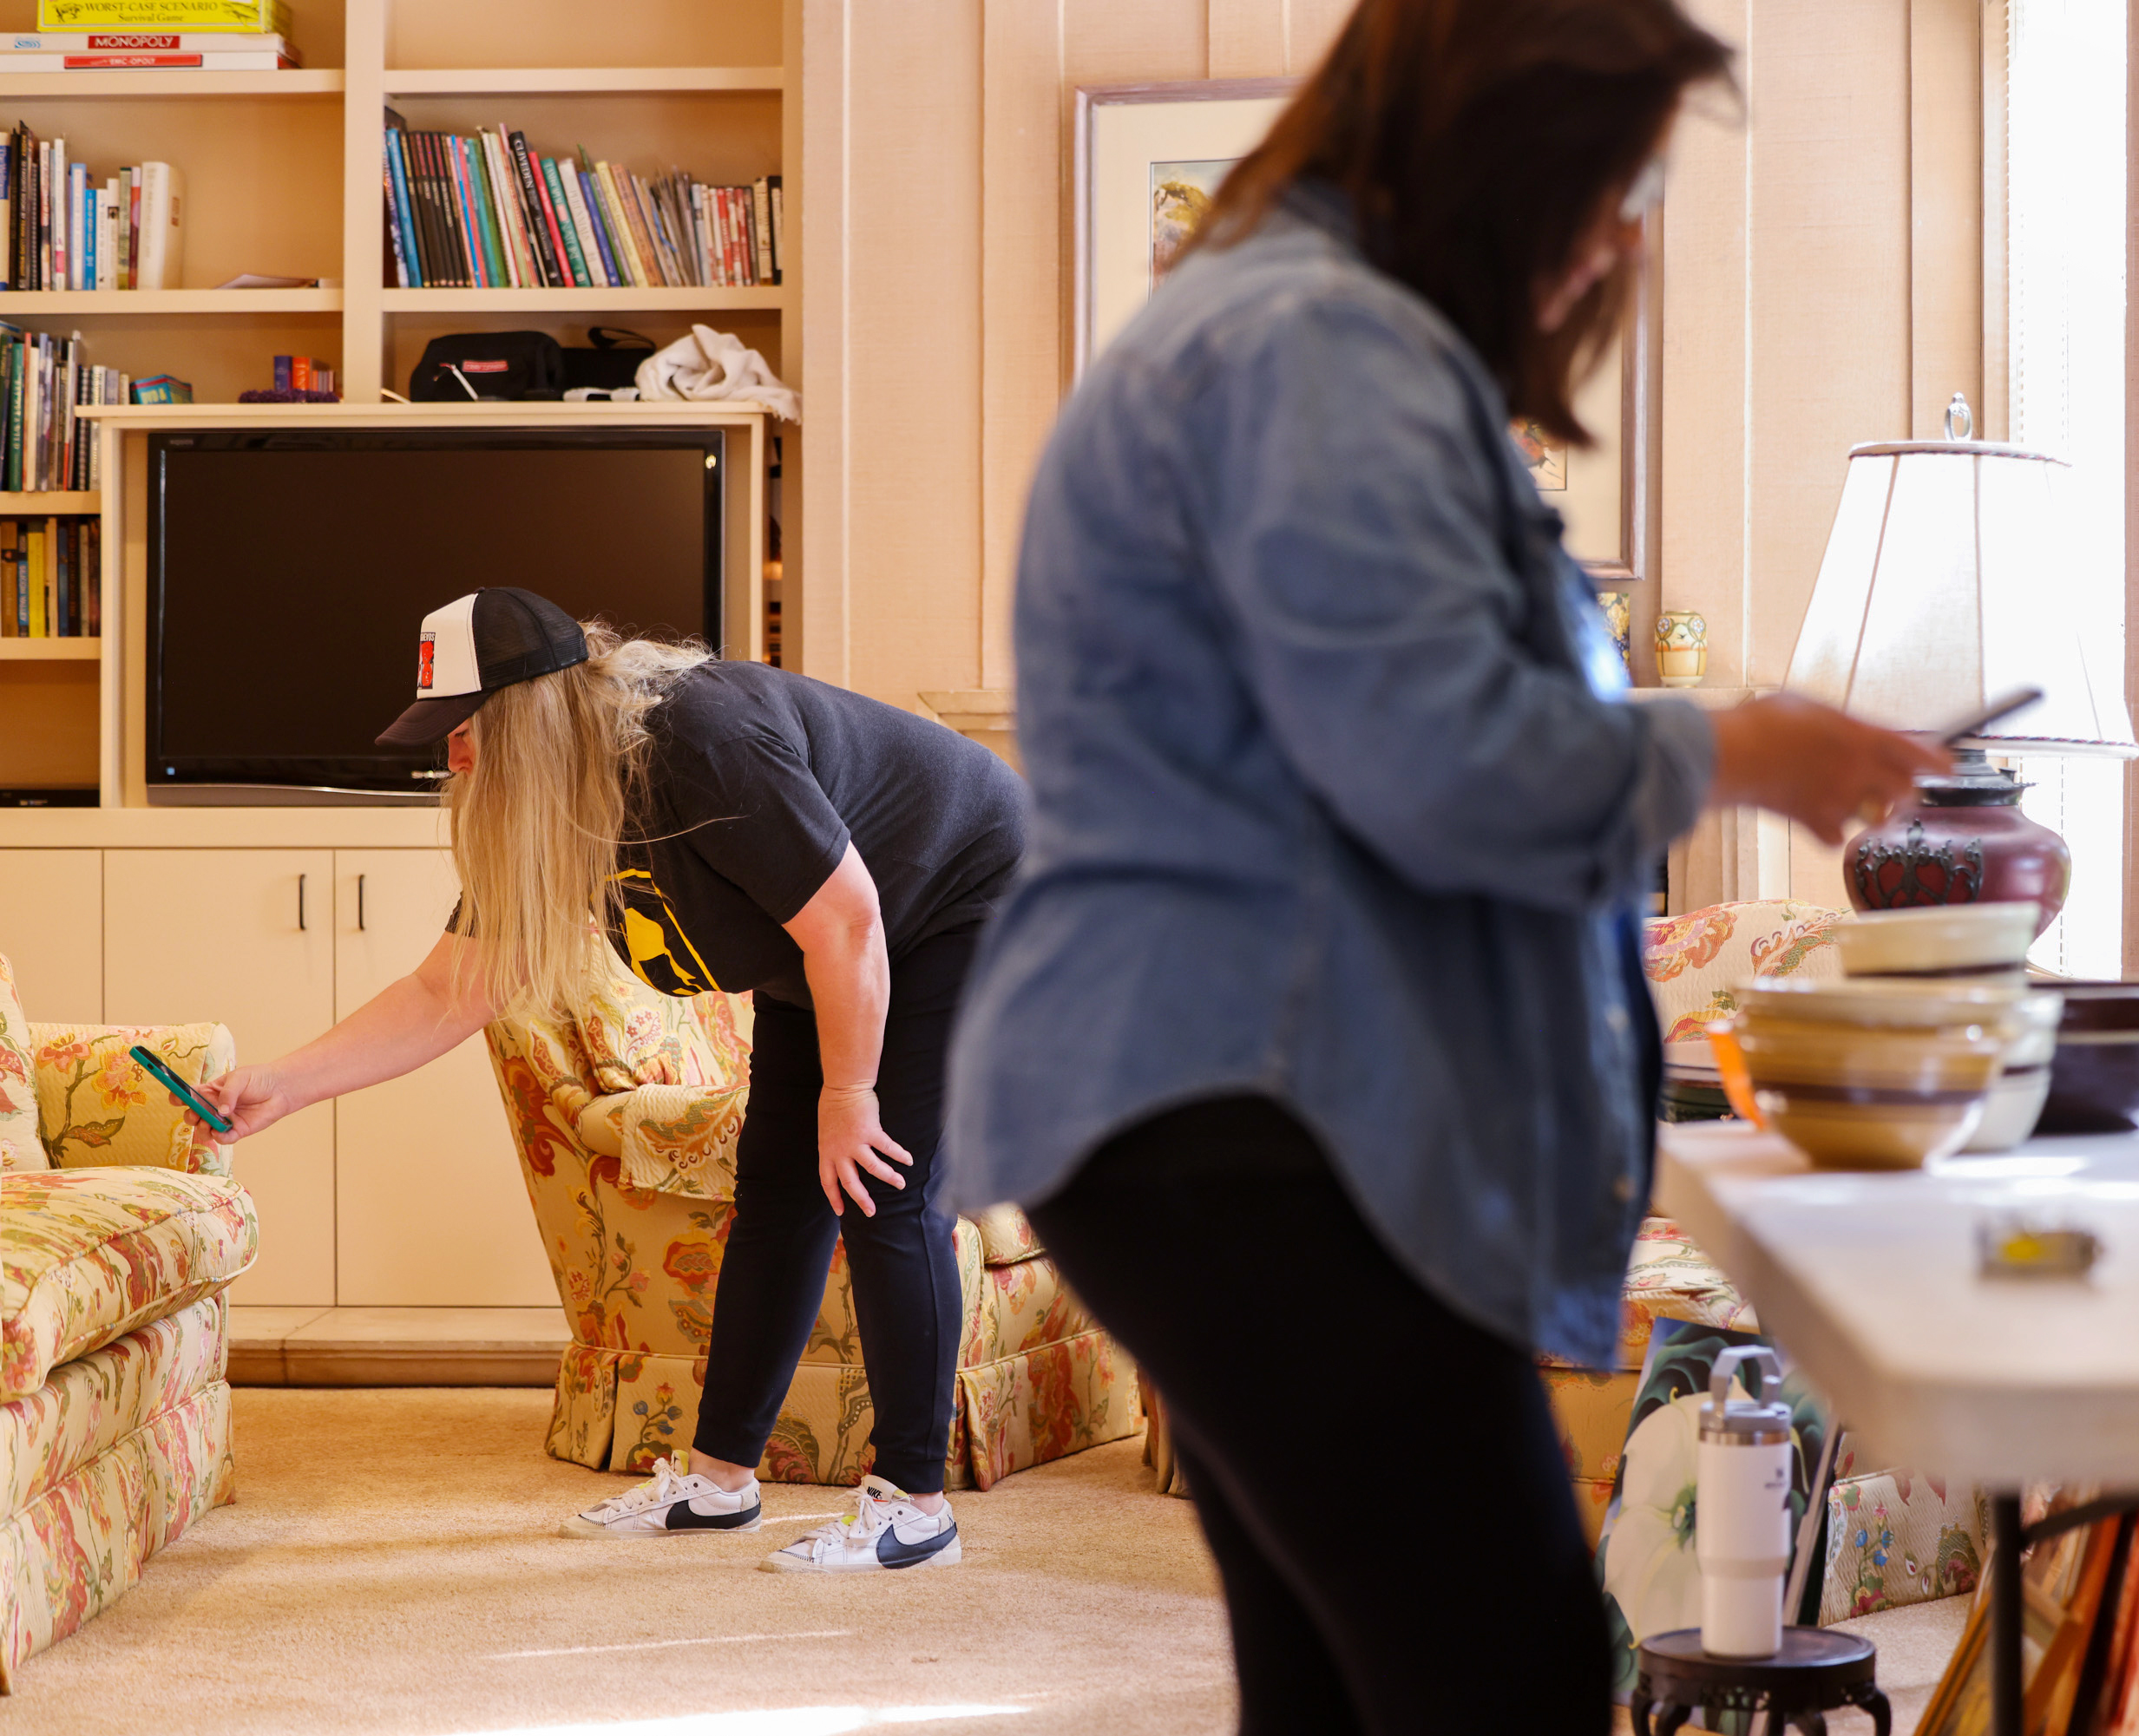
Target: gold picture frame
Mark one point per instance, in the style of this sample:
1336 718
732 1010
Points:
1143 154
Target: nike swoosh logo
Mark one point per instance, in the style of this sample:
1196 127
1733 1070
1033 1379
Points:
893 1550
681 1518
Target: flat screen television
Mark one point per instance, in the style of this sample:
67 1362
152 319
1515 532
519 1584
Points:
288 571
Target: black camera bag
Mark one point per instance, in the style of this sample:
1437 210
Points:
511 366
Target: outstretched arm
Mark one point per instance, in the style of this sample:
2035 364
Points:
406 1023
841 932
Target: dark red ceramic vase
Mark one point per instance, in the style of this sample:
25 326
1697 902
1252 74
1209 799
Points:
1964 841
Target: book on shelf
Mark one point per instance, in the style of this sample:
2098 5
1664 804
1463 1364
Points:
142 43
162 389
60 228
487 210
88 51
221 17
43 382
51 570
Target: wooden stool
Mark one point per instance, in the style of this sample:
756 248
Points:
1816 1673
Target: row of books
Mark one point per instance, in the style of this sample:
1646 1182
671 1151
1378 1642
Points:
85 50
43 381
303 373
49 571
60 229
482 211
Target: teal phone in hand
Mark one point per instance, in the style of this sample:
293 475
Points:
179 1088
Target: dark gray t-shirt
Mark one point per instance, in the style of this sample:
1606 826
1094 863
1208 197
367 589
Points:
758 779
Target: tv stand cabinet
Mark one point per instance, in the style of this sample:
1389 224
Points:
279 920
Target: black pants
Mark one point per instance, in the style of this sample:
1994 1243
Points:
904 1271
1380 1480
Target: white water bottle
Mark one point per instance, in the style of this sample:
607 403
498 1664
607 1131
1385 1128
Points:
1742 1512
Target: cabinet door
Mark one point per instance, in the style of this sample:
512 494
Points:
245 937
52 930
431 1211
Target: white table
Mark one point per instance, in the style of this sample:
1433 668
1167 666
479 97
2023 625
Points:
1871 1281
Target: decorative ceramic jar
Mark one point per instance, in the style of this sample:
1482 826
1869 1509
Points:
1963 840
1682 648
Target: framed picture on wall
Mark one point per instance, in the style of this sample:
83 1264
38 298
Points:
1148 158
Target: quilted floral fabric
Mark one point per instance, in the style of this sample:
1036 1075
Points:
87 1255
80 1544
96 1104
20 1147
1006 1236
1895 1538
637 1265
90 1405
1693 962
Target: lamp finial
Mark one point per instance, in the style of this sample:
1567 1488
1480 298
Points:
1960 421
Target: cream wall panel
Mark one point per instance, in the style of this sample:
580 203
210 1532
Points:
913 351
52 930
1946 209
1311 26
815 625
193 935
1134 41
1703 557
431 1148
1829 303
1247 38
1023 185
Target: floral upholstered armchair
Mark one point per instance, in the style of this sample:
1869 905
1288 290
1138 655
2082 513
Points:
627 1115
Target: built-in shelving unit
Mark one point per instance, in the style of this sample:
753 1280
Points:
578 80
50 650
68 86
50 500
283 178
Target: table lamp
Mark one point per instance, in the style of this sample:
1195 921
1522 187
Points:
1939 592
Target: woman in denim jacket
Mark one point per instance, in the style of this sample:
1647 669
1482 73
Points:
1315 1037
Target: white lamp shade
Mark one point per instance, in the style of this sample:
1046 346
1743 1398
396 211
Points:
1939 592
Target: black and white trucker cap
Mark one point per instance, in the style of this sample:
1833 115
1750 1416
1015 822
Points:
476 645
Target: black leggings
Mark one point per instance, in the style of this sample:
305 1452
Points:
1380 1480
907 1303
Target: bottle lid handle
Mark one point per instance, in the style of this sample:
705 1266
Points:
1730 1361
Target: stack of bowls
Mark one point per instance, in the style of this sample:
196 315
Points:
1874 1075
1968 946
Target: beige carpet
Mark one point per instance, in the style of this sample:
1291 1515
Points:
392 1565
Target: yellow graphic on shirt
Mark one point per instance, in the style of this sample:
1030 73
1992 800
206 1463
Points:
654 942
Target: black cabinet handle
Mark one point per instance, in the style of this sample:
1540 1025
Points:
360 901
300 901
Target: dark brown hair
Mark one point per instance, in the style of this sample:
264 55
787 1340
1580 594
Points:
1478 141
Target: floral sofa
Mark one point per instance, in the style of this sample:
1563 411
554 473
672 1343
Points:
626 1114
119 1234
1893 1536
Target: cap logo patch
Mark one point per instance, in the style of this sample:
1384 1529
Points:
484 367
425 652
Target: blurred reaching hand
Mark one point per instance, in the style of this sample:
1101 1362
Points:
1810 763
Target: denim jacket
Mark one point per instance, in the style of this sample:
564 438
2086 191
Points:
1337 795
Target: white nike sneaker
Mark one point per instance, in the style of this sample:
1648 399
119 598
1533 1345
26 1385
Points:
668 1502
886 1531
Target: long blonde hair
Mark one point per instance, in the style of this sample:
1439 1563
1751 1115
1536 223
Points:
559 762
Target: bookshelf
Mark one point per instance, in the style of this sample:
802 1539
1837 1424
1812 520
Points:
191 913
283 178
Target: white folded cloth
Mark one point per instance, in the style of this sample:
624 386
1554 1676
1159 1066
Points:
710 365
